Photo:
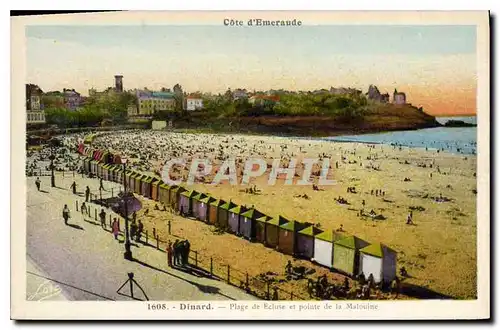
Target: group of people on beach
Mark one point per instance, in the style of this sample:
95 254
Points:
178 253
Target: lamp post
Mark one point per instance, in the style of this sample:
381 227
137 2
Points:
52 157
128 252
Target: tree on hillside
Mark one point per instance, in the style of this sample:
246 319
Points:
179 98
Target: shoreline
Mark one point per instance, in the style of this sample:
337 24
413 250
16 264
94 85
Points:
329 138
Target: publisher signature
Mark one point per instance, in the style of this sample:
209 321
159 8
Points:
45 291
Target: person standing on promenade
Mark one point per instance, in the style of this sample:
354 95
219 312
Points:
87 194
169 254
37 182
176 252
114 227
66 214
101 186
73 186
102 215
185 255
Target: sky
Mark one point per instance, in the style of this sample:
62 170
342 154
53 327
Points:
434 65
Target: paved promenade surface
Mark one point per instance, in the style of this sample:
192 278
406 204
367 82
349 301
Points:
82 261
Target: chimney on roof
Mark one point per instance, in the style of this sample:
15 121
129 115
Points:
119 83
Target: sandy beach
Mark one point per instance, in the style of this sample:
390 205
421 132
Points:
438 250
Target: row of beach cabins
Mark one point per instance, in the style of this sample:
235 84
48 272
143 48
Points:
349 255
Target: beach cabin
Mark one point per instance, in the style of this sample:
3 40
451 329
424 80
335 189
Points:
203 208
272 230
305 242
196 204
131 182
93 167
99 169
111 173
213 211
323 248
260 228
247 223
114 173
147 187
223 214
287 241
379 260
186 202
155 186
104 172
234 219
120 174
86 164
130 178
346 254
138 183
164 194
175 195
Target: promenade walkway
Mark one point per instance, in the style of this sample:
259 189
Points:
87 263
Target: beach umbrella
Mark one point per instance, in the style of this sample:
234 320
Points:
117 204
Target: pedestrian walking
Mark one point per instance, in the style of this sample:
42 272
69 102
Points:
101 186
73 186
409 219
87 194
102 215
140 229
66 214
114 227
133 229
83 208
170 253
37 183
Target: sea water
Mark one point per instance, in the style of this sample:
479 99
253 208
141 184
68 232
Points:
462 140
